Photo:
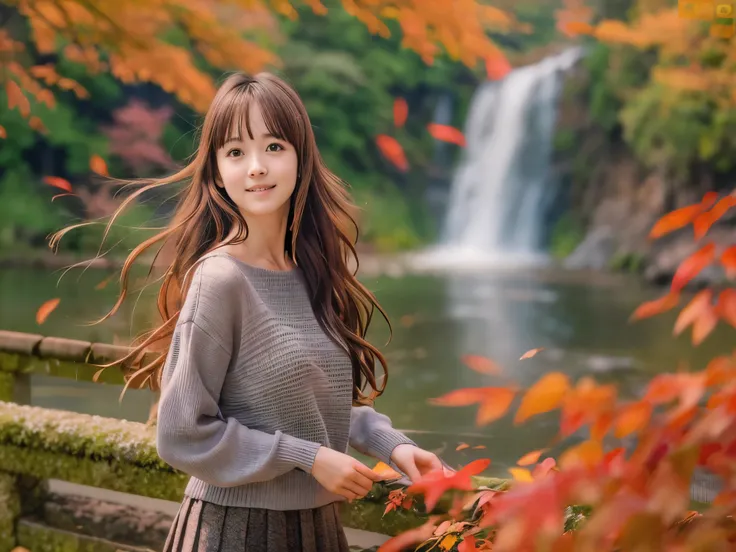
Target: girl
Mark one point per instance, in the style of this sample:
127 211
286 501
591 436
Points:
264 384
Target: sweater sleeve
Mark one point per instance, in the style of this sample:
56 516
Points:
192 434
373 434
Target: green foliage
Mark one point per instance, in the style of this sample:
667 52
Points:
567 233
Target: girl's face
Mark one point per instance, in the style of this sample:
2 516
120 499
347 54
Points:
259 174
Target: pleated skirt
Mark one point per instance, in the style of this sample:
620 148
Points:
205 527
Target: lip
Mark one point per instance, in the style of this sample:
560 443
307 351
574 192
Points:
262 188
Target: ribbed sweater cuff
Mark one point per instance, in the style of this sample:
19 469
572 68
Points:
385 441
297 452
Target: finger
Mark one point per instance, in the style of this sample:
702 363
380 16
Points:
355 489
412 472
363 482
347 493
367 472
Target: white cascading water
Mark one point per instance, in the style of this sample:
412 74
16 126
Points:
501 187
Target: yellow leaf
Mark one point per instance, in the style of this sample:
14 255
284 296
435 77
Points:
448 542
521 474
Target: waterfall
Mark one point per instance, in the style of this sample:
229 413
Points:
501 189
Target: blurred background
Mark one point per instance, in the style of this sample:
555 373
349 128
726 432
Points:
509 159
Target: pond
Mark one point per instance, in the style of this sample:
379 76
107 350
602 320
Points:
581 320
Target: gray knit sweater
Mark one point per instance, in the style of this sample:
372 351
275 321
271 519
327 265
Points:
252 387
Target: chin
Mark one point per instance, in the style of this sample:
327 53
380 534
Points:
264 208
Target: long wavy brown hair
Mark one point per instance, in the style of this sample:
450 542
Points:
320 239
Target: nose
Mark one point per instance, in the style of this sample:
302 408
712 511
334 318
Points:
257 169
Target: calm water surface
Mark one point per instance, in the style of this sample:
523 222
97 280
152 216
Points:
581 320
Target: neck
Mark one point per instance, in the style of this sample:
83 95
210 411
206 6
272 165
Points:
264 245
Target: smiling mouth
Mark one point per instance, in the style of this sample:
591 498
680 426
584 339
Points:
261 188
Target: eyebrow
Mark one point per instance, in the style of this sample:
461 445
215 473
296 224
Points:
239 138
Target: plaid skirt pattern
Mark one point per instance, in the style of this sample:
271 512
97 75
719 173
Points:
205 527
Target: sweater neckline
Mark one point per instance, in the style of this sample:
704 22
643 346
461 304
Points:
266 272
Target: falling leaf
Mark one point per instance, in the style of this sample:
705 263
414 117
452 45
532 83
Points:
632 419
103 283
392 150
531 353
385 471
494 401
545 395
522 475
692 266
481 364
728 260
462 446
98 165
479 447
587 453
3 132
44 310
530 458
408 320
657 306
401 111
446 133
58 182
495 405
497 66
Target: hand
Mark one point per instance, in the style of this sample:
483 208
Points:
415 462
342 474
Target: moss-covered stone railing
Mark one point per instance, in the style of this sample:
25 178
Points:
38 444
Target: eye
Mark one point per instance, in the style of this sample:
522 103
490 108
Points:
235 152
274 147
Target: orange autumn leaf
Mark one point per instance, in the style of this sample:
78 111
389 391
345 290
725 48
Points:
98 165
479 447
392 150
58 182
728 260
727 306
385 471
675 220
530 458
522 475
692 266
531 353
16 98
462 446
401 111
701 313
632 418
704 221
481 364
545 395
497 66
587 454
575 28
44 310
657 306
446 134
494 401
3 132
495 405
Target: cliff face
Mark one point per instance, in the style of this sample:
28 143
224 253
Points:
615 200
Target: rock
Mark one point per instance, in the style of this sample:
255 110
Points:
594 252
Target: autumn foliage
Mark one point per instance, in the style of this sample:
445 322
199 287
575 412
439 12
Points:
623 479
